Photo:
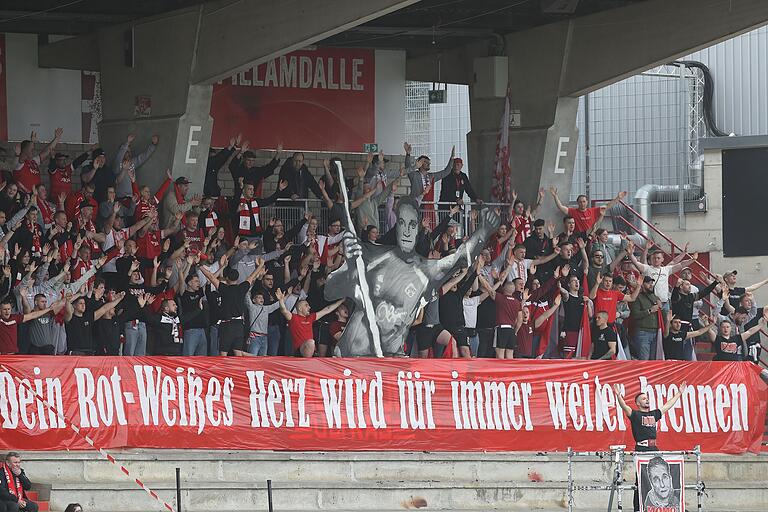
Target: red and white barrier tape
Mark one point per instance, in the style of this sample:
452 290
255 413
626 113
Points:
87 439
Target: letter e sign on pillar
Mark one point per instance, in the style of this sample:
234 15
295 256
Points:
561 153
192 142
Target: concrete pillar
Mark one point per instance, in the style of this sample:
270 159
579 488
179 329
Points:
174 58
543 146
163 56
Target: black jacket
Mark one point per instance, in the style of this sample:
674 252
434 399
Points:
254 175
299 182
5 495
211 187
453 186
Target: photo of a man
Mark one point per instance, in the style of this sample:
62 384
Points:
661 484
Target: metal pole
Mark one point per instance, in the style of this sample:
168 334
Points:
178 489
682 149
269 494
570 480
587 187
621 479
699 484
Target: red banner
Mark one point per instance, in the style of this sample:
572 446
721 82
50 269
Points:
321 99
370 404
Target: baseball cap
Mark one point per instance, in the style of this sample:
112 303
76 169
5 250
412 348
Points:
182 180
648 279
731 273
85 204
249 154
96 153
453 223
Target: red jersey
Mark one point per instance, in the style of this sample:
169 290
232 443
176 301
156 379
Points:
149 245
79 268
584 219
301 329
61 181
507 309
525 339
195 238
89 226
608 301
27 174
9 335
522 226
46 211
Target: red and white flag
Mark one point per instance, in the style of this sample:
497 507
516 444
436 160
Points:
502 188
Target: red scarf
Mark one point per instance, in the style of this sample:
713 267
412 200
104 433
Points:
37 246
211 220
248 212
45 211
14 482
93 244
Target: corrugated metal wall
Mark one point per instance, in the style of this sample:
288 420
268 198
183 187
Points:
739 67
639 133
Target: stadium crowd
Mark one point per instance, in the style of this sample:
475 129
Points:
114 268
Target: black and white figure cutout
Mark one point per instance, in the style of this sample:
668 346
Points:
661 482
398 281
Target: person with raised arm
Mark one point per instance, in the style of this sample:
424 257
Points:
300 323
584 216
643 421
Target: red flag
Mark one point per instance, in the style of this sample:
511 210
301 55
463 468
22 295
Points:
659 338
502 189
584 348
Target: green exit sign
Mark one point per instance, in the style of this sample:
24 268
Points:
371 147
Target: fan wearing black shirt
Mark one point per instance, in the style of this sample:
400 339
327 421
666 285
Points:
80 316
643 421
676 334
731 347
603 338
230 326
735 292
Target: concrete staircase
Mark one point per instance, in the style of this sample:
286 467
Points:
366 481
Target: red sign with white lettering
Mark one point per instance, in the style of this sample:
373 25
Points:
275 403
322 99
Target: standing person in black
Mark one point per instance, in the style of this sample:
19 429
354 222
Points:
80 316
217 160
731 347
194 317
247 169
643 421
295 172
452 309
231 327
453 186
676 334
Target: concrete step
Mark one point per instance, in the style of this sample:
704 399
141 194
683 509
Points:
154 467
383 495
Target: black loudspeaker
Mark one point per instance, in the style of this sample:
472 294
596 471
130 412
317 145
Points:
128 47
745 180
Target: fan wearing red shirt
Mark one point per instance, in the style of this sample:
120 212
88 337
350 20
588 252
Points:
27 171
300 323
9 324
584 216
607 299
61 173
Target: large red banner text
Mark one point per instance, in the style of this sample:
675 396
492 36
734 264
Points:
370 404
322 99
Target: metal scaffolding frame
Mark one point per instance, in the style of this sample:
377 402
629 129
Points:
617 484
